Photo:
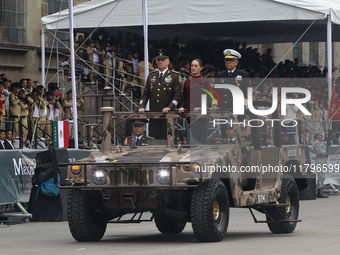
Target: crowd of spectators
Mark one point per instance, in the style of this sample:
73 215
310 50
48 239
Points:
30 109
29 102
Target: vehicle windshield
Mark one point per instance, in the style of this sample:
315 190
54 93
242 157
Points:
172 129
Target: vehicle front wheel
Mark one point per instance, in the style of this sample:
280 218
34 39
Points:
167 224
84 219
290 196
210 211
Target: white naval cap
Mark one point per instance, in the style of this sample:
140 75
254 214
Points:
229 53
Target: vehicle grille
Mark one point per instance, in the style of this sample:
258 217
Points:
131 177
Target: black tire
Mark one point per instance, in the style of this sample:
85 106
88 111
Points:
210 211
83 218
289 195
167 224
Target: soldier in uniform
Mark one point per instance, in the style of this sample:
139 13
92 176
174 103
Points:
230 133
15 109
230 138
67 106
108 63
236 77
92 53
321 155
164 90
139 138
25 104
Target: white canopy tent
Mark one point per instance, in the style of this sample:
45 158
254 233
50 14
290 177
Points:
254 21
258 21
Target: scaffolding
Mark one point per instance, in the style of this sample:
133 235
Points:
96 94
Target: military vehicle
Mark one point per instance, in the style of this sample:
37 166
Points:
180 183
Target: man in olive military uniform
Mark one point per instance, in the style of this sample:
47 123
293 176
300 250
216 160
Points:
321 155
15 109
163 87
230 138
164 90
139 138
235 77
230 133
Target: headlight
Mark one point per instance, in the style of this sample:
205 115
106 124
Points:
99 177
163 176
76 169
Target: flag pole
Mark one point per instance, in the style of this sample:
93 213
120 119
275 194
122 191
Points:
146 42
329 56
43 56
73 76
329 60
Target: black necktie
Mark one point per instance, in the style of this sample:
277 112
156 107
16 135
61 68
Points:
137 140
160 76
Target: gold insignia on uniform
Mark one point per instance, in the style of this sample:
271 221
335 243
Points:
160 53
228 53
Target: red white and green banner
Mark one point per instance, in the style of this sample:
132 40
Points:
60 134
334 105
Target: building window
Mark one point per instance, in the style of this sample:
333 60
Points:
313 53
326 54
14 21
297 51
53 7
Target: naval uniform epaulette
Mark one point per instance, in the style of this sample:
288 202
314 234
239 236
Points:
150 137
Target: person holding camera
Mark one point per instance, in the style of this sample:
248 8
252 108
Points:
125 68
68 110
92 52
60 98
25 103
108 63
52 105
37 112
14 109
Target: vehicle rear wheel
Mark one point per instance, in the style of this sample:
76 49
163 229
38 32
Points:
290 196
210 211
84 221
167 224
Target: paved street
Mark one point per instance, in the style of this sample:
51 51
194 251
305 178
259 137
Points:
318 233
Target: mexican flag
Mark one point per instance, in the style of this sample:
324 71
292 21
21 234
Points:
60 134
